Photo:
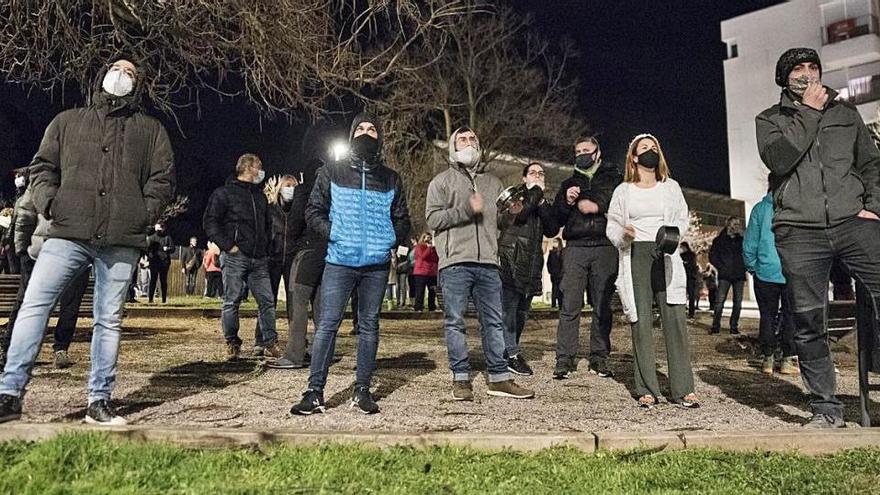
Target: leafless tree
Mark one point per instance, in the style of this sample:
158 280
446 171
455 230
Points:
491 72
282 55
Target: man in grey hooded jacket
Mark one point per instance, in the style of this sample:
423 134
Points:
461 210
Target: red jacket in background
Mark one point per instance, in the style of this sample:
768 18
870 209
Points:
426 261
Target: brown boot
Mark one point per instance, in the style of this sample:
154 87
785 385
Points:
462 390
232 351
273 351
509 389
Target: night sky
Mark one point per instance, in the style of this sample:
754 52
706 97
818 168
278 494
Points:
644 66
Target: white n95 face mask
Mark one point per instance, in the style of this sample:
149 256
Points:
469 157
117 83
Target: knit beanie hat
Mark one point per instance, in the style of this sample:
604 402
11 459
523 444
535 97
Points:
791 58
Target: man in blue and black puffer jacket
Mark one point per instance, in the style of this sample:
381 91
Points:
359 205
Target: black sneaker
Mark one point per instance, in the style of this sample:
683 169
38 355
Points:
363 400
311 403
10 408
824 421
734 331
563 368
518 365
600 368
101 412
715 331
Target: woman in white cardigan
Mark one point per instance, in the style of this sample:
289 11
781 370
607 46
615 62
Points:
647 200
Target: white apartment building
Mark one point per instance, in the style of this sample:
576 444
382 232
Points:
846 35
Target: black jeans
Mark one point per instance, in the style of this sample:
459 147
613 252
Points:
26 265
724 286
422 282
191 282
213 284
583 266
807 256
693 295
159 274
556 292
771 297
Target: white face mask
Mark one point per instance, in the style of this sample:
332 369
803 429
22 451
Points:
19 182
469 157
117 83
261 174
287 193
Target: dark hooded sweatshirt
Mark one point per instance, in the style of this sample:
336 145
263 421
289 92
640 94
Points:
104 172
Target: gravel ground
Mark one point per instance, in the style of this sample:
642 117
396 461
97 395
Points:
172 372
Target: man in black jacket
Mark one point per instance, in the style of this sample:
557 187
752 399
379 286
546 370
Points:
160 248
237 220
102 174
726 255
825 170
521 249
588 260
191 259
554 266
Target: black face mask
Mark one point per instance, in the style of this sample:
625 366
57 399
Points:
364 147
649 159
584 161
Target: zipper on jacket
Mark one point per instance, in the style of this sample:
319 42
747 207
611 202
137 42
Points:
822 174
256 222
476 224
363 210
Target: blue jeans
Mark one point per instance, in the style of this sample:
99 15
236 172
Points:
336 289
516 310
239 268
483 284
60 261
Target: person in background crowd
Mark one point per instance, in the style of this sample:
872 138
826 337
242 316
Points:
762 261
143 275
283 244
521 249
588 260
237 220
359 205
425 273
213 274
647 201
710 281
160 249
692 270
467 227
6 240
841 283
191 261
554 266
826 169
726 255
411 258
305 276
404 270
111 156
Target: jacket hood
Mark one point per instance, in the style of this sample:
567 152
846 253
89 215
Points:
367 161
131 101
479 168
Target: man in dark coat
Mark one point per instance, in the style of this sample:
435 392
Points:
237 219
589 260
102 175
191 258
825 169
521 249
160 248
554 266
726 255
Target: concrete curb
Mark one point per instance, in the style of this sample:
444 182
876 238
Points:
801 441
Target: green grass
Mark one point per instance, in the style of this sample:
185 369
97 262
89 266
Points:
94 464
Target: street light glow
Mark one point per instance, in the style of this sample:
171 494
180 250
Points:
338 150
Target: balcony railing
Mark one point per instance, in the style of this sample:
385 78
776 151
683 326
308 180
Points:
849 28
862 93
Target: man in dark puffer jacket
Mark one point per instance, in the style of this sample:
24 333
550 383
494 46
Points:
588 260
521 249
359 205
237 220
102 174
